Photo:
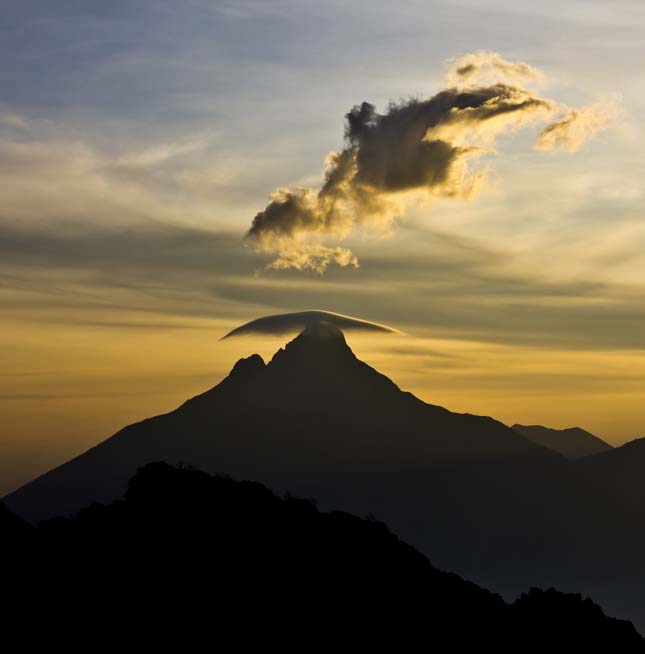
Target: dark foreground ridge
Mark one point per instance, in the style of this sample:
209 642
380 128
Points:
184 544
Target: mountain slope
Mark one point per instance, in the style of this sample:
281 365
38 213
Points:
574 443
188 531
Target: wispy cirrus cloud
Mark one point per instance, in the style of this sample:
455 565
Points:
490 67
577 126
12 119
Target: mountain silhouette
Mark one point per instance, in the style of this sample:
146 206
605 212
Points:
574 443
314 405
188 532
476 495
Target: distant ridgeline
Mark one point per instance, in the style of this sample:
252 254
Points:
574 443
188 553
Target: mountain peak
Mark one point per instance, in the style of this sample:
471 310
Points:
248 366
319 344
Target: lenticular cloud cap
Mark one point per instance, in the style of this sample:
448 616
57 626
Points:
285 323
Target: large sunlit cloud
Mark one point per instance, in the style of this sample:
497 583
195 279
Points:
416 150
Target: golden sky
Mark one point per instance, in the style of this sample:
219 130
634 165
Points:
138 144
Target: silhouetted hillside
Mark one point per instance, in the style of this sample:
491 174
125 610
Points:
182 540
574 443
478 496
13 530
620 475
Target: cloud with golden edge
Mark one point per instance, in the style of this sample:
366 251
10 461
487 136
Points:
577 126
489 67
415 151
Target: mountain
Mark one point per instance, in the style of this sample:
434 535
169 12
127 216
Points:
477 496
209 547
574 443
315 407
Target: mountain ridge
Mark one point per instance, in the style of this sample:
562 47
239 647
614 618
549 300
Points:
187 530
573 442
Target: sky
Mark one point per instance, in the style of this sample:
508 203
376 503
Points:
139 140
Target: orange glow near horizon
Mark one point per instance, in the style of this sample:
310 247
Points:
66 387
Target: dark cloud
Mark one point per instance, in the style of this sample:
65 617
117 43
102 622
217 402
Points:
148 245
413 147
